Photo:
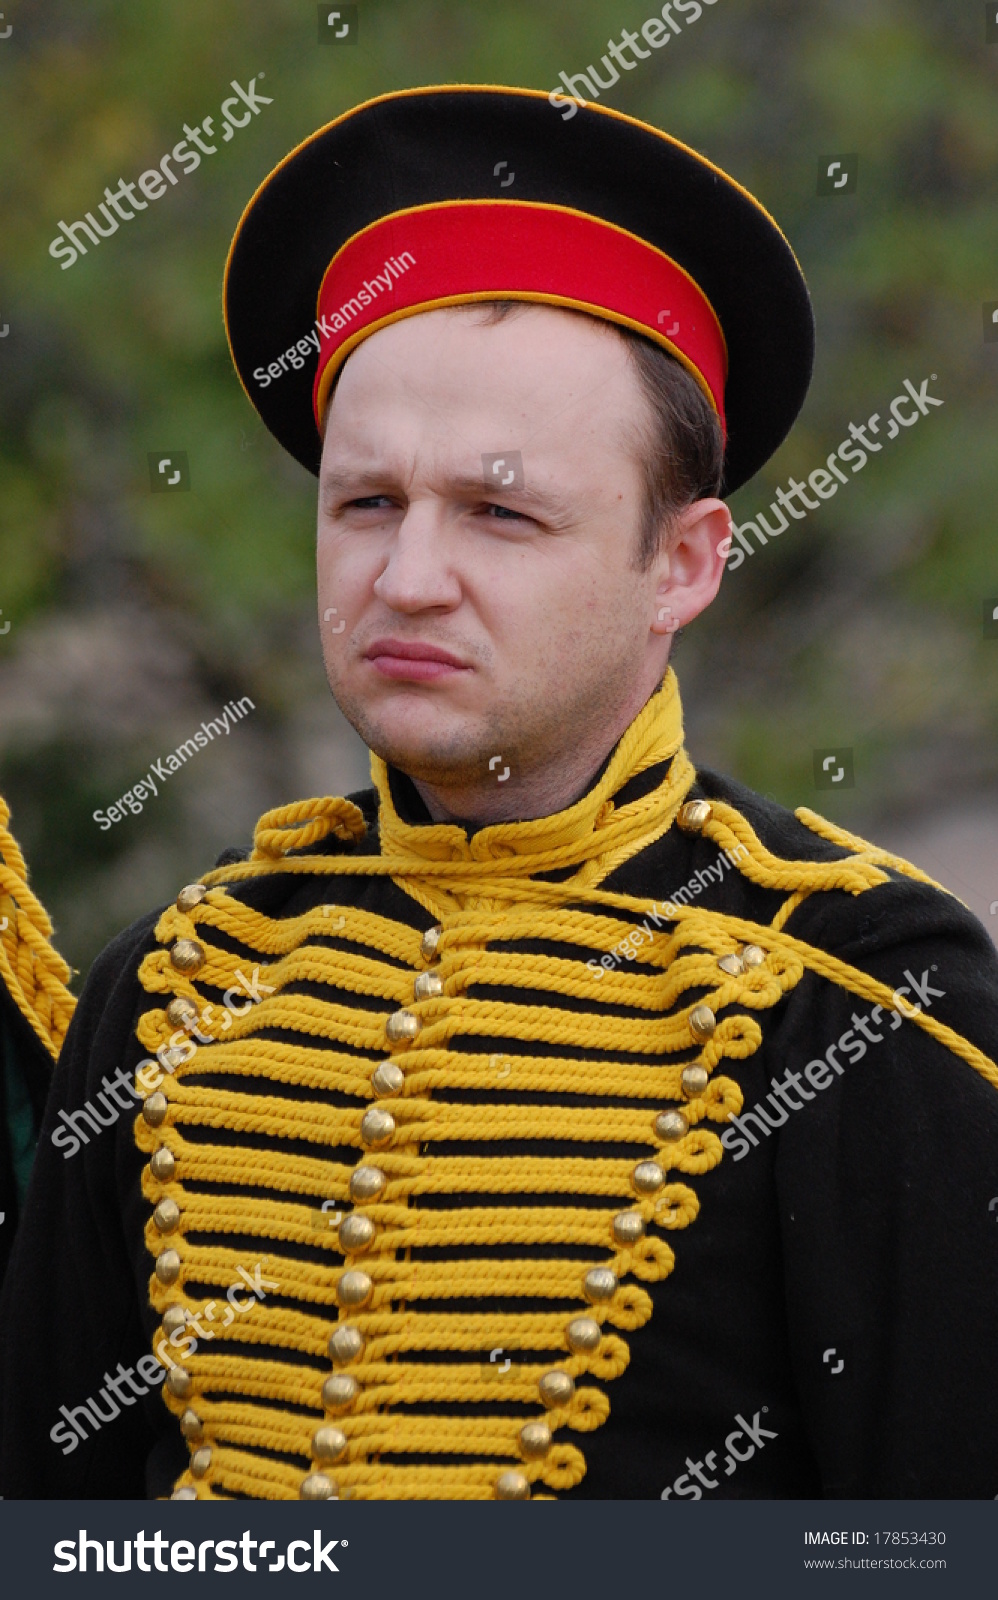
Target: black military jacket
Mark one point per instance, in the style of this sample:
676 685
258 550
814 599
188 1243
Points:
678 1155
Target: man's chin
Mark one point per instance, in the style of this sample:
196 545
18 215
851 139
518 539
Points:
422 741
430 763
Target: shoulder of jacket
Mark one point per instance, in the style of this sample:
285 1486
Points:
869 922
801 852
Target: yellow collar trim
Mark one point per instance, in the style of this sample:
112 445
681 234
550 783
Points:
572 836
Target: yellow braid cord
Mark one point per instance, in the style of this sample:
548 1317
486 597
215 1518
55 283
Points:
802 877
35 975
859 871
263 1123
865 851
305 822
863 985
788 908
728 828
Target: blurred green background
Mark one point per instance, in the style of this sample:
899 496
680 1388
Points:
134 615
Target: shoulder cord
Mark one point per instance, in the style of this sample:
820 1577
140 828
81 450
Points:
34 973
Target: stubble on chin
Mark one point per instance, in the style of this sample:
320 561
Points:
448 757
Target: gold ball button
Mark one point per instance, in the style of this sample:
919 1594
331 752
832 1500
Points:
328 1444
377 1126
356 1232
181 1012
733 965
583 1334
191 1426
387 1079
168 1266
671 1125
535 1440
187 955
339 1391
512 1486
647 1177
201 1461
402 1025
703 1023
354 1288
695 1080
174 1317
166 1215
599 1285
179 1382
171 1057
185 1493
345 1344
162 1164
753 955
556 1388
154 1109
428 943
190 896
427 986
628 1227
366 1183
694 814
318 1487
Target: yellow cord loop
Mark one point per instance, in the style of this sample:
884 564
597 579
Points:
728 829
305 822
862 849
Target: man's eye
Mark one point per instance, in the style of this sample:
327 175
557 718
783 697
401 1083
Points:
504 513
369 501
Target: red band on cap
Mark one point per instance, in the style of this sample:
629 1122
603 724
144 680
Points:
469 250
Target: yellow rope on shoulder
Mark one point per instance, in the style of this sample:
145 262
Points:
696 921
32 970
729 829
862 848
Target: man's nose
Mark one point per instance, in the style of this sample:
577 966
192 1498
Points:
419 575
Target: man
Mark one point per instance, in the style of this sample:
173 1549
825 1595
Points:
551 1118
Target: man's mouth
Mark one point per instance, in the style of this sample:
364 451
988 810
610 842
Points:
412 660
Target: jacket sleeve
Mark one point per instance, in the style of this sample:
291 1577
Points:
73 1301
887 1181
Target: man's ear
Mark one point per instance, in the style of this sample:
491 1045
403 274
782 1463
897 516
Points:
690 564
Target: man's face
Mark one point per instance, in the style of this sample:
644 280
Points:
541 630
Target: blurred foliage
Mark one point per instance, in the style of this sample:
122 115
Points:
134 615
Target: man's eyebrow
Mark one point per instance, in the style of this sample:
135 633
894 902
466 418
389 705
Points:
352 480
333 482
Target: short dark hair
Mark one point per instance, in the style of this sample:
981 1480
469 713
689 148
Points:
684 460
